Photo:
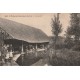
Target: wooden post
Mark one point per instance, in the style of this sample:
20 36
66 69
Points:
36 50
22 53
22 47
44 48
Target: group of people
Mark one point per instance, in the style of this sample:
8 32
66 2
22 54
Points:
6 53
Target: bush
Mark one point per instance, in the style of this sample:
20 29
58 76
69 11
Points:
66 57
69 43
76 48
59 46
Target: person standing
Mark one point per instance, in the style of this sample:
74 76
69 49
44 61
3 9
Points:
3 53
10 51
7 57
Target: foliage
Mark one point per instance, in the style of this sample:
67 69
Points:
66 57
74 28
68 42
56 26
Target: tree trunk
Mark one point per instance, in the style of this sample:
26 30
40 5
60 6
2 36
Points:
56 37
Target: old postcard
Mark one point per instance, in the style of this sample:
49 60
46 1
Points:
39 39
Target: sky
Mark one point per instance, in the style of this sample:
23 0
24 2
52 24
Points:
38 20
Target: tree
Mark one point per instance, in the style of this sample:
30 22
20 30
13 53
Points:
74 28
56 29
68 42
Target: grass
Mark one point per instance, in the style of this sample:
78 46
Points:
66 57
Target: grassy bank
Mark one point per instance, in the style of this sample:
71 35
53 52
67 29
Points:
66 57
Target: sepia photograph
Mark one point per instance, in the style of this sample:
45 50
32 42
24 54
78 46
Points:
39 39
